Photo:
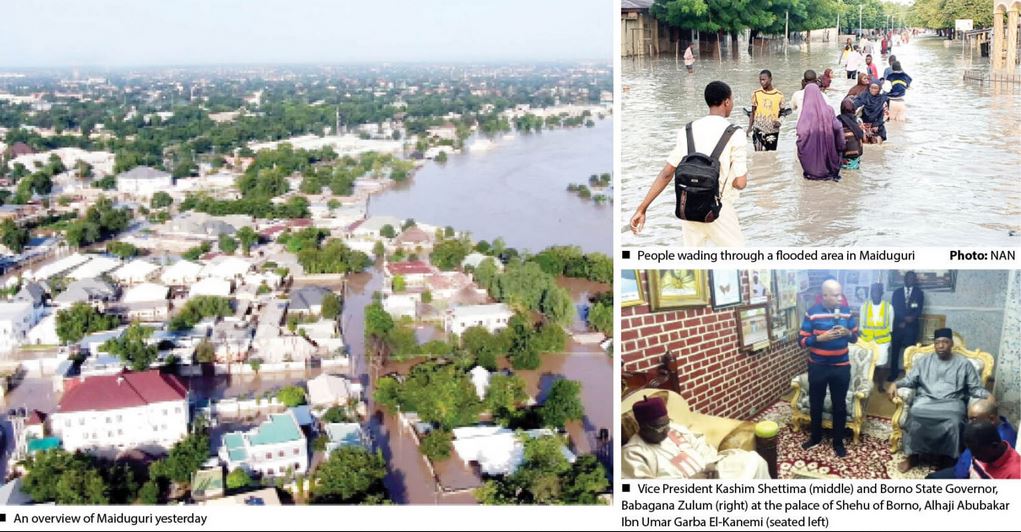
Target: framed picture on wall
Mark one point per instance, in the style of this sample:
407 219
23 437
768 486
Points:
753 328
786 288
631 291
761 286
928 280
677 288
725 286
931 322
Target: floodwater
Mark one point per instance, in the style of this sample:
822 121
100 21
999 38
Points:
516 190
949 175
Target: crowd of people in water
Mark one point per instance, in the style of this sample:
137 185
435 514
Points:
829 140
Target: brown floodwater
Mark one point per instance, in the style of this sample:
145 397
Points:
516 190
953 165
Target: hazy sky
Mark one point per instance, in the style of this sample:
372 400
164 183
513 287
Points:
182 32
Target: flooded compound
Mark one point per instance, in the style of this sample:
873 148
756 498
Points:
515 189
951 173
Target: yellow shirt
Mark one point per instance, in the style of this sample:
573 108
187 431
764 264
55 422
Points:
767 104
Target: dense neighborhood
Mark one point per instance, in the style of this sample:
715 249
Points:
198 305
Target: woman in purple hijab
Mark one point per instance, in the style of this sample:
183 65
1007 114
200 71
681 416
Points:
820 137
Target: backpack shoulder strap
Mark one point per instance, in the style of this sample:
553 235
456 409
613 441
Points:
729 132
691 138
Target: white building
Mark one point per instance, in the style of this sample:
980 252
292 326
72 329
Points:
16 319
497 450
370 227
211 287
401 305
145 292
226 267
274 448
44 332
144 181
181 273
94 268
136 271
493 317
125 411
331 390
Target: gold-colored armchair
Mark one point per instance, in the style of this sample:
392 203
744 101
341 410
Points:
863 356
720 432
982 361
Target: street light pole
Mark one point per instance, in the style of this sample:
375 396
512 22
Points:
861 30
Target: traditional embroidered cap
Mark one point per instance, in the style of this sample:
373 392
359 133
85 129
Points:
944 333
649 409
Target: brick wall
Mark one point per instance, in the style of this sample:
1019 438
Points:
714 377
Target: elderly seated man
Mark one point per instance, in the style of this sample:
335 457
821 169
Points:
943 385
664 449
984 410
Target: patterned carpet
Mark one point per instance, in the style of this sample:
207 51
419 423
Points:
870 458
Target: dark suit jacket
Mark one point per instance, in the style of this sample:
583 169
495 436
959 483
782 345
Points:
902 309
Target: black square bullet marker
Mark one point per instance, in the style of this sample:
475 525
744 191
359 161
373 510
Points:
3 518
626 488
626 254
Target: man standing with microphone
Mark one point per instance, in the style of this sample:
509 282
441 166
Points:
828 328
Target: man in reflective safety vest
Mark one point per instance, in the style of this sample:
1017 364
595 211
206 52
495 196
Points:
877 322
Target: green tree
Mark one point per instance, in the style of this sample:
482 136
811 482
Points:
546 477
331 306
12 236
64 478
133 348
504 397
399 284
184 458
291 396
123 250
449 254
72 324
563 404
387 231
160 200
352 475
437 445
248 238
227 244
378 250
600 317
238 479
205 352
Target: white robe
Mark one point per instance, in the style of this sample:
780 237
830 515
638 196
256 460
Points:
684 454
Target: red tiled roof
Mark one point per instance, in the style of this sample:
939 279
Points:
408 268
35 417
414 235
20 148
299 222
112 392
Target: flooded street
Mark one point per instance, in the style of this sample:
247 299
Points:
515 190
954 164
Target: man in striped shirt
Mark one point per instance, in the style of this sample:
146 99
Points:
828 328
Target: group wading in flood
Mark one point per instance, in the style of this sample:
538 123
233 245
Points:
708 164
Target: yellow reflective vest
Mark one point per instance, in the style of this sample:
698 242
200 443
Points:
876 326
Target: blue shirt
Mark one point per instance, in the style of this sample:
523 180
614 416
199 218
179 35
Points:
819 320
1007 434
899 82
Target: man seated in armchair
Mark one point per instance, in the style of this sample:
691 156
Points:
943 384
665 449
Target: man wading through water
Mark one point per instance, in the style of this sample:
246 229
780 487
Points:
724 230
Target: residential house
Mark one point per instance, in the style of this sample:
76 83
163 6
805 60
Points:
37 294
58 266
277 447
370 227
134 272
144 181
226 267
475 258
145 302
344 435
124 411
232 340
401 305
16 319
413 272
493 317
445 132
211 286
497 450
414 239
96 266
307 300
324 333
93 291
445 285
92 343
181 273
326 390
44 332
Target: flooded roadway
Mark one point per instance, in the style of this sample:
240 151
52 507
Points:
950 174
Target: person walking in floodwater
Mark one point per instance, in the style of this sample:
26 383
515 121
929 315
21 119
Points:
855 60
860 87
820 137
854 136
689 60
764 119
871 69
873 103
707 132
899 84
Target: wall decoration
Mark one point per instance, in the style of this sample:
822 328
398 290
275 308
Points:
760 286
753 328
725 286
677 288
631 291
928 280
786 288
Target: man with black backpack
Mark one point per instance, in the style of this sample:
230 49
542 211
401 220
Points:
709 168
